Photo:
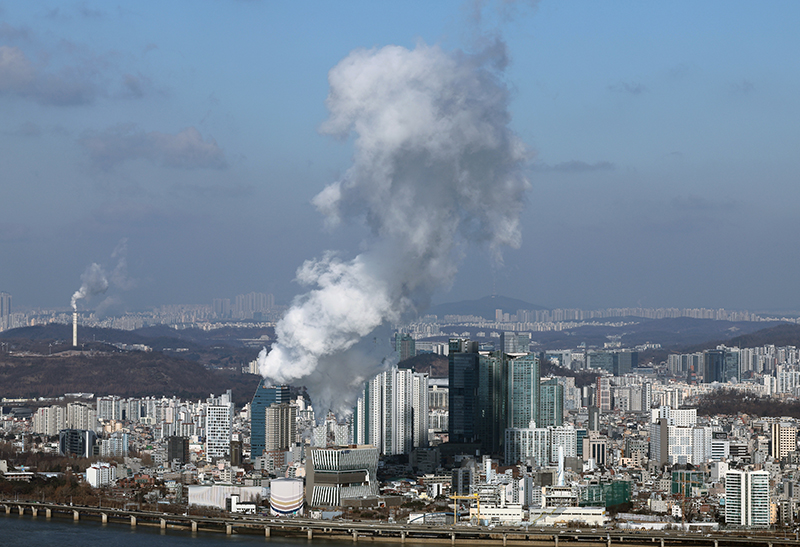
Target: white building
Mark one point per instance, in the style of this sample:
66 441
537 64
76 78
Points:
219 426
81 416
672 434
566 436
393 412
528 444
747 500
101 474
49 420
115 446
590 516
701 444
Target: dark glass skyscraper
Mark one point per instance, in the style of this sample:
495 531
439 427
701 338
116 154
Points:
265 396
720 365
463 376
492 401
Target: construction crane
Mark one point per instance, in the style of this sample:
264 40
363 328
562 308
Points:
469 497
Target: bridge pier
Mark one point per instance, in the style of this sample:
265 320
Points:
8 509
504 539
608 541
194 526
48 512
266 531
716 543
35 511
228 529
163 524
402 536
452 538
21 510
662 542
310 533
555 540
355 536
104 518
76 516
133 521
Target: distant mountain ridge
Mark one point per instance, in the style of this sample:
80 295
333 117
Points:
484 307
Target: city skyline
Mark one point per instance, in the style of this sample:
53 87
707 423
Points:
661 166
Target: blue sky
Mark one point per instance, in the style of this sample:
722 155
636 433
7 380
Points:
664 139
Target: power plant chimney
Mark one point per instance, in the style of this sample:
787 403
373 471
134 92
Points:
75 328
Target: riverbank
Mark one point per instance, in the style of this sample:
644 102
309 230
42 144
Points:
355 532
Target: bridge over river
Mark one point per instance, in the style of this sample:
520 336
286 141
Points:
356 531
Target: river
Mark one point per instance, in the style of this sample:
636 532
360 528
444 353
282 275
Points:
28 531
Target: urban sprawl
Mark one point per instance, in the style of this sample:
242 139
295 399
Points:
494 442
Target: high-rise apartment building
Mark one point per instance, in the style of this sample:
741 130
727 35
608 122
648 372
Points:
783 440
527 444
247 305
672 436
49 420
565 436
603 394
551 403
523 391
392 413
280 426
116 445
747 501
221 307
264 396
219 426
81 416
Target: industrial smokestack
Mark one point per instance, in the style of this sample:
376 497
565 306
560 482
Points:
75 328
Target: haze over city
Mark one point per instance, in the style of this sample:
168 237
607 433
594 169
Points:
185 144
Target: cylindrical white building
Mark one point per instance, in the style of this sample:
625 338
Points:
286 497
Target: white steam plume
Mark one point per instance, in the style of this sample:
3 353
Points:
435 167
93 281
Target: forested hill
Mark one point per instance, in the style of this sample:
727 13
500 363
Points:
127 374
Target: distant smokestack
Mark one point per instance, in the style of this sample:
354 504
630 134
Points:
75 328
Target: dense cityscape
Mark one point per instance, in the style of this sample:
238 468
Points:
579 436
514 272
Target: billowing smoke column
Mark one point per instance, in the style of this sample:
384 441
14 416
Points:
435 167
